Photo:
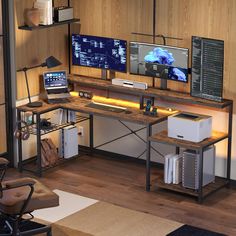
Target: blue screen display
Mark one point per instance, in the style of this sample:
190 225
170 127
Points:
55 79
161 61
99 52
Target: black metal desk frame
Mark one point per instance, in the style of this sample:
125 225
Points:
39 168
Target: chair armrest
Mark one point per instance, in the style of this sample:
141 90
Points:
3 161
19 183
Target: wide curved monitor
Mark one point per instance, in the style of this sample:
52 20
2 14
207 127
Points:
165 62
99 52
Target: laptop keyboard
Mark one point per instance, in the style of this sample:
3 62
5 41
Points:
55 91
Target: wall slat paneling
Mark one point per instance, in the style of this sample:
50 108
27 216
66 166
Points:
206 18
33 47
118 18
113 18
179 18
3 142
0 17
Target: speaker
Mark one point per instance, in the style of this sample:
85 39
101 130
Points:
85 94
22 133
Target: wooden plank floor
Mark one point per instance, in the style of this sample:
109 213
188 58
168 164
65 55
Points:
122 182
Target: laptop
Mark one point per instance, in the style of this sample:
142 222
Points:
56 86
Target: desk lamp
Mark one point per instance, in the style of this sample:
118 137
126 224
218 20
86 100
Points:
50 62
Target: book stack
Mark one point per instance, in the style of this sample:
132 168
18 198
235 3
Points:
46 11
61 116
173 169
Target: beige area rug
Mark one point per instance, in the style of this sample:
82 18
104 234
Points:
105 219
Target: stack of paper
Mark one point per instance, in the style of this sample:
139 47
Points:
172 169
45 8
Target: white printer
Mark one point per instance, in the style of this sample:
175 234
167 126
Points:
189 126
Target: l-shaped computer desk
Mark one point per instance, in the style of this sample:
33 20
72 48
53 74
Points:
80 105
137 116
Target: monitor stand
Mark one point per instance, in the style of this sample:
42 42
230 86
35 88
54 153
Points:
105 76
163 84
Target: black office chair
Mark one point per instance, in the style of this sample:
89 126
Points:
18 198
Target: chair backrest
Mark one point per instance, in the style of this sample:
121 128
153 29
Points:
3 166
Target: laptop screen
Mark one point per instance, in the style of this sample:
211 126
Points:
55 80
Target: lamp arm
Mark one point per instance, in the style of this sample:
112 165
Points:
27 85
32 67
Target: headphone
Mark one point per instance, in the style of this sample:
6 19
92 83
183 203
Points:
24 132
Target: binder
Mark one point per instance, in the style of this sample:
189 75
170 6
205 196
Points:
168 168
177 169
172 169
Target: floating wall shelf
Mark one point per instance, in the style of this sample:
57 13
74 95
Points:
25 27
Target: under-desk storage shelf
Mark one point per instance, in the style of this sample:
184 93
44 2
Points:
30 164
206 190
201 192
28 28
55 127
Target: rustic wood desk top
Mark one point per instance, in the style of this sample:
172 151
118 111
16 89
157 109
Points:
79 105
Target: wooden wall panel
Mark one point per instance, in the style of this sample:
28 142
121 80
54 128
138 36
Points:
33 47
1 17
113 18
3 142
207 18
118 18
2 87
177 18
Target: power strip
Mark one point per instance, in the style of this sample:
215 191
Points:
85 94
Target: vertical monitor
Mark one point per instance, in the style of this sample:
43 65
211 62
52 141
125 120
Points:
165 62
207 68
99 52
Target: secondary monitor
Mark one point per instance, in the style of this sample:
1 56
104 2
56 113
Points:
207 68
55 79
165 62
99 52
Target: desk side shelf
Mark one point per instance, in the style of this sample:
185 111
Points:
55 127
166 95
206 190
162 137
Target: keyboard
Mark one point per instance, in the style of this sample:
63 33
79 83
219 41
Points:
106 107
58 100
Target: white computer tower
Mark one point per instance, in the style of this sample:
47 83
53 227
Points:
190 168
68 143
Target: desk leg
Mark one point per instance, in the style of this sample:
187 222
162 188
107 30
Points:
148 146
39 161
141 102
19 143
177 150
91 141
200 172
229 141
